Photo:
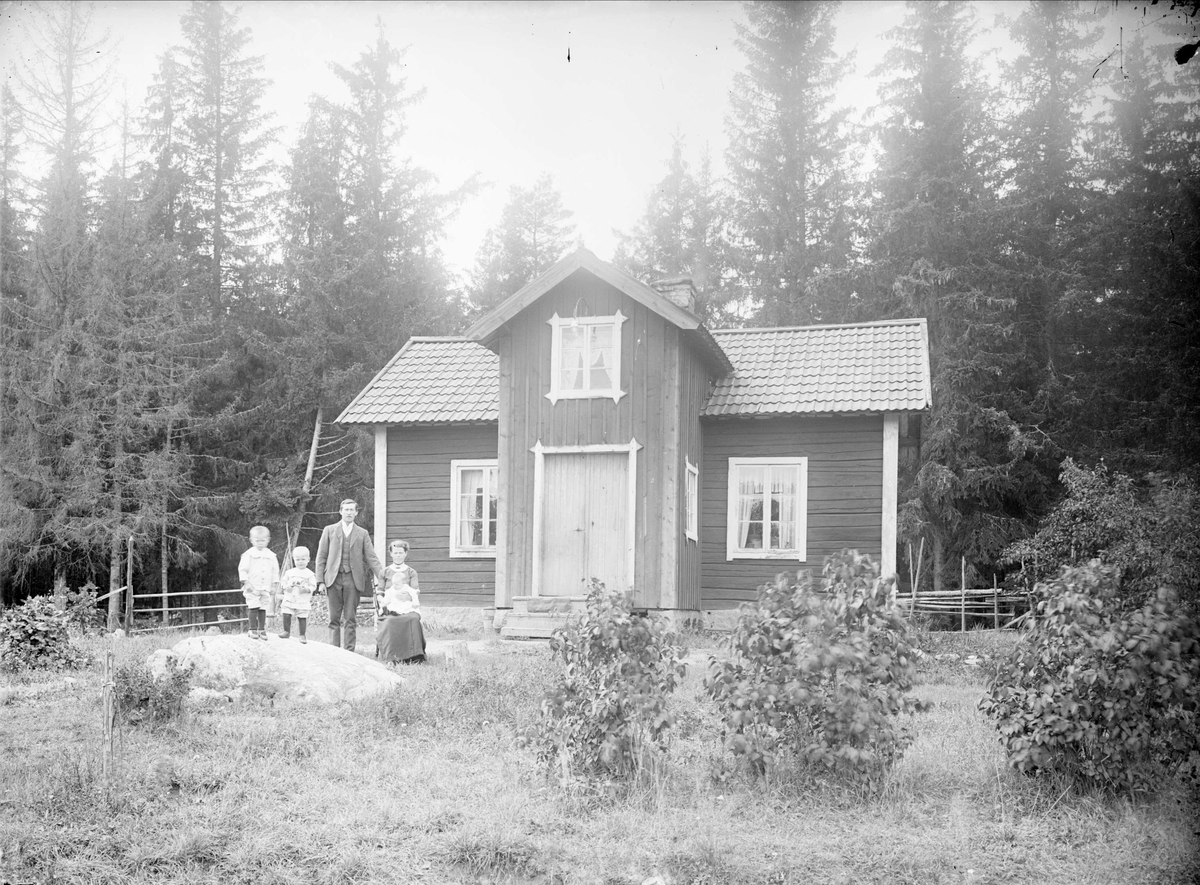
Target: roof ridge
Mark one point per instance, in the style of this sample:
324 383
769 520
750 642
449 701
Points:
440 338
911 321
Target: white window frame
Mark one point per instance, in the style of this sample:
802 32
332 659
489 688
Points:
732 550
691 502
557 324
457 466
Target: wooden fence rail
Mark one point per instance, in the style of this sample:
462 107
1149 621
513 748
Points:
167 609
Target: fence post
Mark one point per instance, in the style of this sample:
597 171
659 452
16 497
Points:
995 603
129 587
962 597
109 701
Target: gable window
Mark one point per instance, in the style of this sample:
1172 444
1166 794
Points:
585 357
768 508
473 508
691 502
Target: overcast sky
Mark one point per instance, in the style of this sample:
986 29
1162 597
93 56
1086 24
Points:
502 99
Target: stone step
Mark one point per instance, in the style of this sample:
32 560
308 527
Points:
540 625
548 604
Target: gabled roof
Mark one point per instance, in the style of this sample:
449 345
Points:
487 327
431 381
865 367
861 368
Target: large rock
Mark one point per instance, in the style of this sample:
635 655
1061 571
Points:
278 669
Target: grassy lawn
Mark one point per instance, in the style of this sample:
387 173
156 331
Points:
427 785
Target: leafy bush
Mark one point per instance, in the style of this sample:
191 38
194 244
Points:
82 610
33 636
1151 532
609 706
143 699
1106 696
820 671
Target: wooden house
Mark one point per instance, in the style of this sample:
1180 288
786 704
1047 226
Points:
591 427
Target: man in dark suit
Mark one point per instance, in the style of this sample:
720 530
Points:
344 559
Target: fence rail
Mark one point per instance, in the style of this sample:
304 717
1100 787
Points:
164 611
975 601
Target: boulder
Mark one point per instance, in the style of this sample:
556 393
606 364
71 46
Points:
279 669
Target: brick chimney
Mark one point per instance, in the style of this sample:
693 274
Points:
678 290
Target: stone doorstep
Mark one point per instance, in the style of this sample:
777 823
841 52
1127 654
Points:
544 604
532 626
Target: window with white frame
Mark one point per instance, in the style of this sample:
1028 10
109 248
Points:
768 508
691 502
473 509
585 357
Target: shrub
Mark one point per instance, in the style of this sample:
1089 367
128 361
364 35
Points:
143 699
1106 696
609 706
820 671
33 635
82 610
1147 530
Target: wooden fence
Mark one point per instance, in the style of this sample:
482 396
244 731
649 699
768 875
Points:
189 621
987 602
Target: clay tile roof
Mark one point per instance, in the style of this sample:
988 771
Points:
431 381
866 367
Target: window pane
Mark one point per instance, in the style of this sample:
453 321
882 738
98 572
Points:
571 354
784 487
600 356
470 508
750 507
493 506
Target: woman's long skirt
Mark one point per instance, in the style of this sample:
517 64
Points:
400 638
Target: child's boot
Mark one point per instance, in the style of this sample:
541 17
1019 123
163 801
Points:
303 625
287 626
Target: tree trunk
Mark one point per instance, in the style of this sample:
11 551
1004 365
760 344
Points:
60 585
308 478
114 584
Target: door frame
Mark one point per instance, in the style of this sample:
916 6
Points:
539 490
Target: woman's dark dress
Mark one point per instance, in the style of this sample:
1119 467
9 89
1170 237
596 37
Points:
400 637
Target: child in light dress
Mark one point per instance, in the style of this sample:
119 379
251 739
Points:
259 573
400 595
299 583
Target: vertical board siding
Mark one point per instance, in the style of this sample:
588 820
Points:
419 492
694 384
649 346
845 487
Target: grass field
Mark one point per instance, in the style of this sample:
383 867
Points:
426 785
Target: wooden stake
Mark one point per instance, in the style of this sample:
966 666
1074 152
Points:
995 603
962 626
109 703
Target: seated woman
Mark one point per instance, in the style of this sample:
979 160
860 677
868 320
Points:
399 638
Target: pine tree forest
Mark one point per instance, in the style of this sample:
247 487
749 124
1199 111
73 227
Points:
162 274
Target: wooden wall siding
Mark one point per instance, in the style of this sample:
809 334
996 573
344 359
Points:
418 506
693 391
648 412
845 475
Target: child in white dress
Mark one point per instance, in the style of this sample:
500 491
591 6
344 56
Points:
299 584
259 573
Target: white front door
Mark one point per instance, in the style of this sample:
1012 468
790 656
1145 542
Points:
585 522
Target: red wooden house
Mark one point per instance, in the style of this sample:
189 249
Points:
591 426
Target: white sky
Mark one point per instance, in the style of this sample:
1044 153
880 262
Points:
502 99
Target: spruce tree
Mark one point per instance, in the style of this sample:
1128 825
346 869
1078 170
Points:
789 159
224 139
1130 331
931 249
683 233
534 232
